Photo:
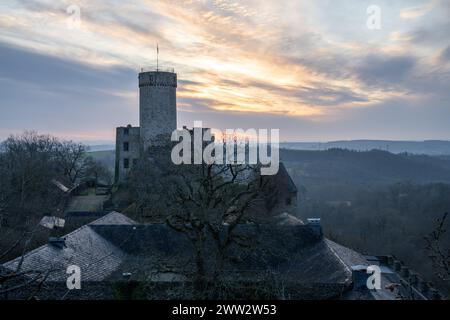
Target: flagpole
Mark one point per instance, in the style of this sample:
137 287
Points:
157 57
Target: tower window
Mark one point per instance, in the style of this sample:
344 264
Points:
126 131
126 163
126 146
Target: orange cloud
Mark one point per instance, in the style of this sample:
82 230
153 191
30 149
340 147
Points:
231 52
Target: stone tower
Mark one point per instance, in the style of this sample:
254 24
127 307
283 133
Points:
158 107
158 119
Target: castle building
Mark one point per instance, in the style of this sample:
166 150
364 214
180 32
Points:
115 249
158 119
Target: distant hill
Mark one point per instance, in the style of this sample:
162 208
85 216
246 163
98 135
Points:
429 147
101 147
334 174
351 168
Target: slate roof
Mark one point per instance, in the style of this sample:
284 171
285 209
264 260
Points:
96 256
346 256
102 247
293 252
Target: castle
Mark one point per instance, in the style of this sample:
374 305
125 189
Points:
158 119
114 249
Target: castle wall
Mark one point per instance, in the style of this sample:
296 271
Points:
127 151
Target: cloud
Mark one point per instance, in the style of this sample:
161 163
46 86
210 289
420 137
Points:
418 11
62 97
385 71
303 61
445 55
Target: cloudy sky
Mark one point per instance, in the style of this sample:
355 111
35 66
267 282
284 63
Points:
313 69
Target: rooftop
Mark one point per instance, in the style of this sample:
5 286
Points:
114 245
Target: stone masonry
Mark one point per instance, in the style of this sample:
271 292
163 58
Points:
158 119
158 106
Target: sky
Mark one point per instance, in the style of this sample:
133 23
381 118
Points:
316 70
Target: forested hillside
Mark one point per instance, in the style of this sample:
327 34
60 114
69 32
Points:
429 147
375 202
336 174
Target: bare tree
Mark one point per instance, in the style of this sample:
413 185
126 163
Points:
27 166
206 203
18 282
96 171
439 254
71 159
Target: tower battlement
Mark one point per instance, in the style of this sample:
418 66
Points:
157 79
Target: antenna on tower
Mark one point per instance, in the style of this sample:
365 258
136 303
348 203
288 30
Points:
157 57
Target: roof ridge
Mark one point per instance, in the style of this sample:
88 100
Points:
327 241
110 214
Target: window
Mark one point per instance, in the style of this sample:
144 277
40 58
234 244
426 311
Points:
126 163
135 161
288 201
126 146
126 131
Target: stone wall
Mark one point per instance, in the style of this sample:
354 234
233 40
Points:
131 136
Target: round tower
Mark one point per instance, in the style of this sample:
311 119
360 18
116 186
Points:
157 107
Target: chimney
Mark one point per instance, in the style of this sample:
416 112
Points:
57 242
315 226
